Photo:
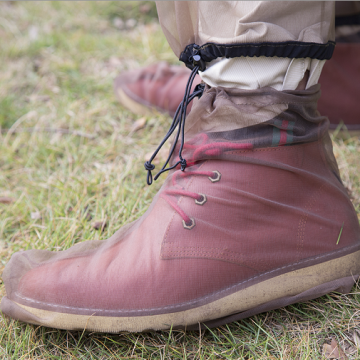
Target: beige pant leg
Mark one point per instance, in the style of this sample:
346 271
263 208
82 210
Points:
250 22
230 22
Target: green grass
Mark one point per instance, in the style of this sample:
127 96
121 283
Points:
57 65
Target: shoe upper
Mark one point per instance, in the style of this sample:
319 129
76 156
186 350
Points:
252 202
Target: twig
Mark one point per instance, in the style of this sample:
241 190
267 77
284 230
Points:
50 130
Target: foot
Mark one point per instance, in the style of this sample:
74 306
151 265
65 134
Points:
258 220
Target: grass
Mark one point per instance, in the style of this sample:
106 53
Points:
82 163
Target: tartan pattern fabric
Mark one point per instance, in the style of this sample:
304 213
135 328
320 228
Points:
277 132
282 132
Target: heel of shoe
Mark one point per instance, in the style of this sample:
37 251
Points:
347 284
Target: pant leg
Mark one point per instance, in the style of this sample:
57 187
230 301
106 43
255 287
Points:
246 22
253 44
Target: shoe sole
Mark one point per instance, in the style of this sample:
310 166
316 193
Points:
291 287
133 105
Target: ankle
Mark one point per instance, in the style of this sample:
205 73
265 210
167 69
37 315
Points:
250 73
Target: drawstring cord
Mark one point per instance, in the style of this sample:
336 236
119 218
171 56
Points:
179 120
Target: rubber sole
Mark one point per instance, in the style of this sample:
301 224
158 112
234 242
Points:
134 106
294 286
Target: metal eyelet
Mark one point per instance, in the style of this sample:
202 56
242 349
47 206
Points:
189 226
218 177
202 201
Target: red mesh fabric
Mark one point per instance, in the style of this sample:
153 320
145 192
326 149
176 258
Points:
275 199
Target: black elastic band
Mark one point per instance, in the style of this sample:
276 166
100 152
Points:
287 49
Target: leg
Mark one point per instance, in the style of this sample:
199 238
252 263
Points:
160 87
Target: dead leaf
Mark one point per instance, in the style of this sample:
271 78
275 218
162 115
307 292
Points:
97 225
33 33
138 124
35 215
145 8
130 23
351 350
114 62
334 351
6 200
34 98
118 23
356 339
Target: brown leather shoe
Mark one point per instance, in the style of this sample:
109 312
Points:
161 87
258 220
340 84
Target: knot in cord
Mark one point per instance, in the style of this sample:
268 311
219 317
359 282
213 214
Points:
149 167
183 164
178 121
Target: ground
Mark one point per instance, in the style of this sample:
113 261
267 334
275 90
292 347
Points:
71 169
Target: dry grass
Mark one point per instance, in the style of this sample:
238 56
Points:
58 61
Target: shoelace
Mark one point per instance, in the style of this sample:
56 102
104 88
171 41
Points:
179 120
199 152
200 199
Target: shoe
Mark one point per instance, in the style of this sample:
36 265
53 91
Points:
258 219
156 88
340 83
340 78
161 87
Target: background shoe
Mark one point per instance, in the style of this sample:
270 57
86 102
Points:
340 80
258 220
158 87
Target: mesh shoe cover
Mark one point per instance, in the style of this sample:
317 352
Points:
258 219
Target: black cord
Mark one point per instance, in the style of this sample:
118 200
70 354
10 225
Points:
178 121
